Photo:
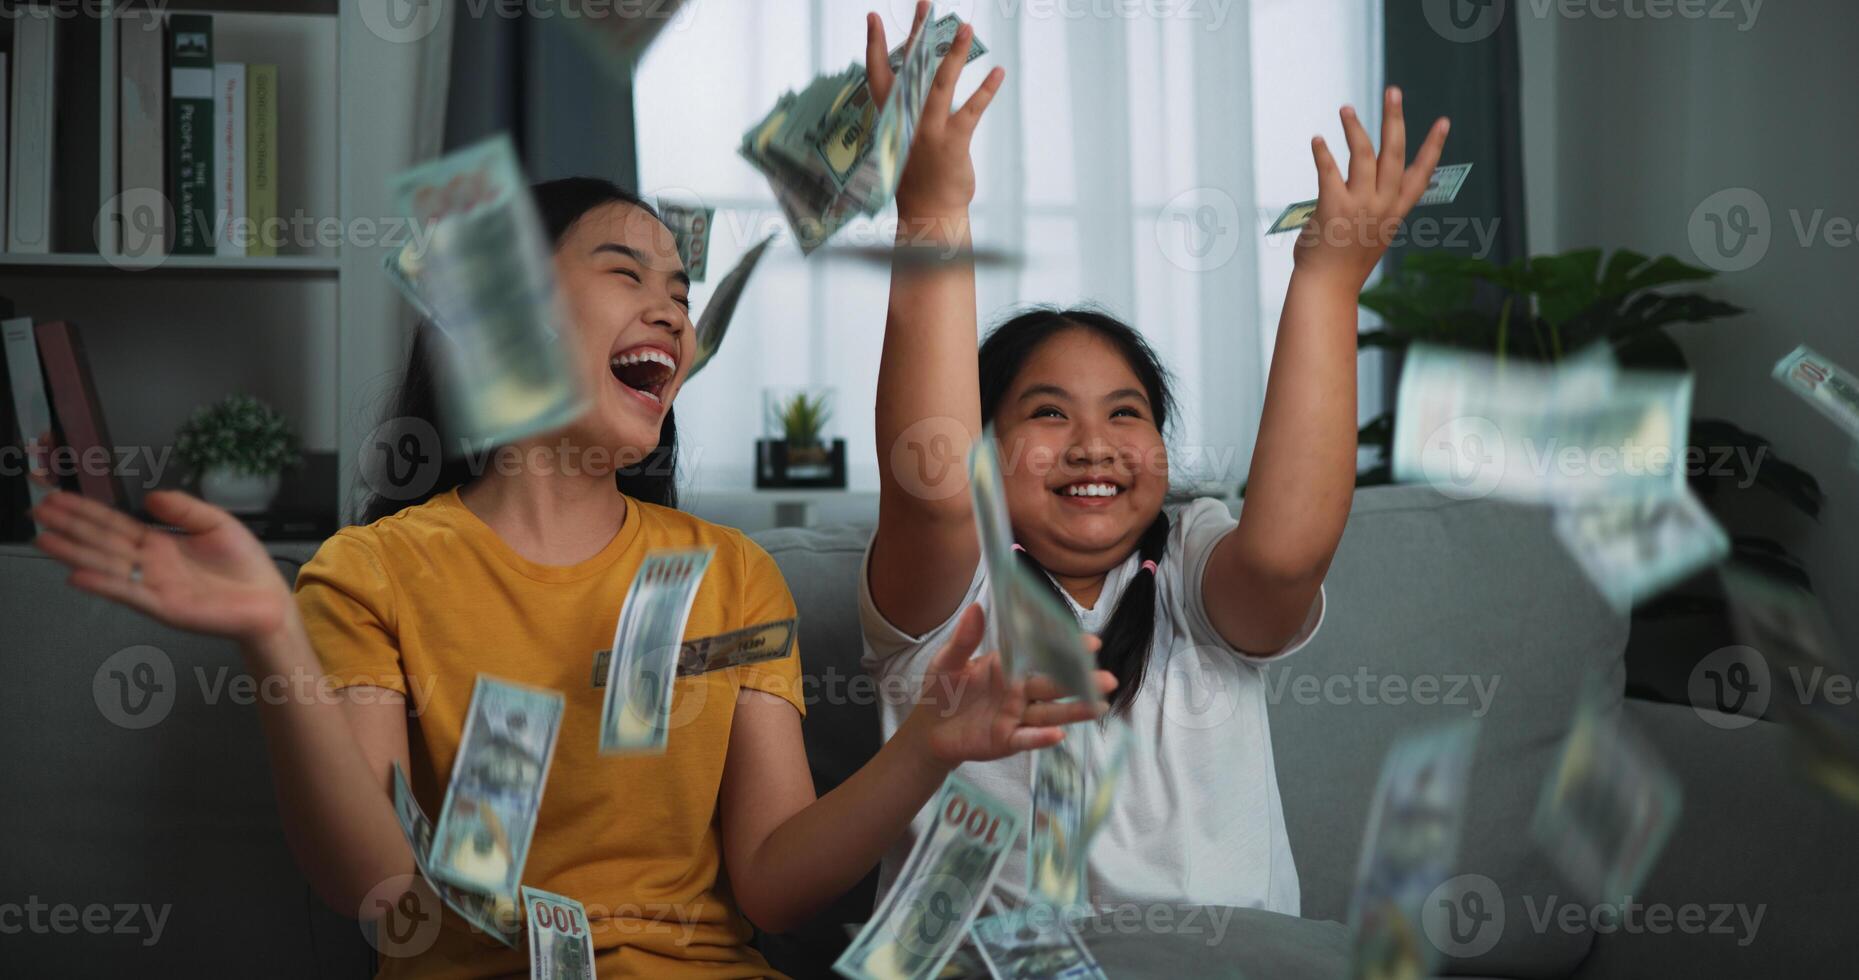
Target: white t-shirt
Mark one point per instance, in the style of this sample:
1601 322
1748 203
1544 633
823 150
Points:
1197 818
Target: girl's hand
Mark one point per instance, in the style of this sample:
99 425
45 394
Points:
970 711
214 577
1357 216
939 177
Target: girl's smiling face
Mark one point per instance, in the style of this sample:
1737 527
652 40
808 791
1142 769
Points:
1084 462
628 297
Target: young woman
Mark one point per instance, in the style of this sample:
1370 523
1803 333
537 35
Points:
518 572
1187 603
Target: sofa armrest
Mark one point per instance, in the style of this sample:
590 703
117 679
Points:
1762 854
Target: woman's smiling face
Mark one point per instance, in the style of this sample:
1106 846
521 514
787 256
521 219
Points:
626 293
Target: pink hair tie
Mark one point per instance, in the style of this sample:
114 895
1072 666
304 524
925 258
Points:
1016 546
1149 566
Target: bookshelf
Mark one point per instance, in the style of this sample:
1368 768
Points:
315 330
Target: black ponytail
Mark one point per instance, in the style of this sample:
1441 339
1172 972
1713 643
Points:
1130 631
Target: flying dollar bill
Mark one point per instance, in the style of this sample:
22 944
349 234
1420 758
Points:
486 279
749 645
1409 848
494 915
1443 188
1608 806
561 947
939 890
489 814
690 227
1472 427
720 309
1831 389
988 495
620 33
831 152
1074 783
1016 948
1790 631
635 716
1633 548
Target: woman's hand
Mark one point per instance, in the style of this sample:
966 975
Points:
1358 215
214 577
970 711
939 177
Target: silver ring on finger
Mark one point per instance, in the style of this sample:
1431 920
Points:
135 573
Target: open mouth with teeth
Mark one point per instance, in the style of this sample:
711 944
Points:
645 371
1089 491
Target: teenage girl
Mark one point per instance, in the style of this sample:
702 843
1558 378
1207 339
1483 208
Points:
517 572
1188 603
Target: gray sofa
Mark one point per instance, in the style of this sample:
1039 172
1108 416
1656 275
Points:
1475 596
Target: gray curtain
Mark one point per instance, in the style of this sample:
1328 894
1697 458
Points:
1459 58
570 113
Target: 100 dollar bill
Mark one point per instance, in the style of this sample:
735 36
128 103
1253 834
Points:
635 716
1443 188
494 915
1074 783
1831 389
489 815
749 645
1472 427
561 947
1632 548
939 891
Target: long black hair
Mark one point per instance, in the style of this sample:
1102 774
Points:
560 203
1130 631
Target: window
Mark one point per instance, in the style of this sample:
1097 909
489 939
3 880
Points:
1132 159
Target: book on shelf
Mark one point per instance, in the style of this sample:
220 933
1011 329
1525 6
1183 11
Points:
29 148
261 173
78 413
229 237
142 118
77 142
190 132
29 425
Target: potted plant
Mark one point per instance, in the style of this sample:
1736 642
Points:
238 449
1550 307
797 452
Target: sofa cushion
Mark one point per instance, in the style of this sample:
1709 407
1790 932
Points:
1439 610
136 775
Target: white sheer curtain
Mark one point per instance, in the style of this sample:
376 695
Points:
1132 159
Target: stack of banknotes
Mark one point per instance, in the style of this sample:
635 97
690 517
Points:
1605 447
831 152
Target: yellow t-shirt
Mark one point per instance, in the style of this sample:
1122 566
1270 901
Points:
425 600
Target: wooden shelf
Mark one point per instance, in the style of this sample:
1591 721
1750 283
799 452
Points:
88 264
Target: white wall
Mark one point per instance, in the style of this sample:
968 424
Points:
1636 123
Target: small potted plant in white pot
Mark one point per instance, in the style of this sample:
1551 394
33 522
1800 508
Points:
238 449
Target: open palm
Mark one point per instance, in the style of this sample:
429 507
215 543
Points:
977 713
213 576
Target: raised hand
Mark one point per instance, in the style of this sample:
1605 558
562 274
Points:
1358 214
213 577
938 177
973 712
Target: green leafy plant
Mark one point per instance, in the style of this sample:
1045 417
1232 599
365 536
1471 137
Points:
802 418
238 431
1549 307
